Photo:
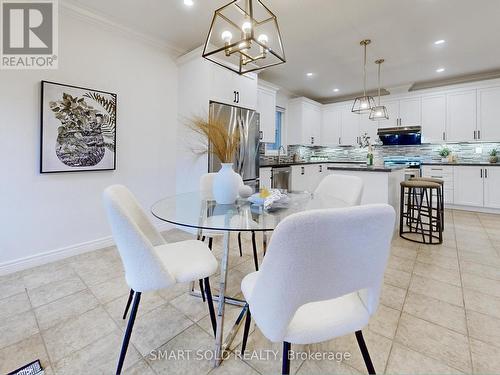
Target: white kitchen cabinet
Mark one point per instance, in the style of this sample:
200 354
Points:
392 108
491 187
410 112
468 186
299 180
304 122
461 116
265 177
349 127
404 112
231 88
488 114
266 106
331 127
445 173
434 118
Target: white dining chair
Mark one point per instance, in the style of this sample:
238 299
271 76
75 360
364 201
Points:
206 189
321 277
150 262
338 188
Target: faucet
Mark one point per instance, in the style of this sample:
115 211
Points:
279 153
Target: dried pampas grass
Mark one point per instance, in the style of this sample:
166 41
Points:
223 143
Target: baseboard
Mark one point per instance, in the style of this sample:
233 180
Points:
473 209
62 253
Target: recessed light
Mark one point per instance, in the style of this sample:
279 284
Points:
309 74
189 3
440 70
335 90
440 41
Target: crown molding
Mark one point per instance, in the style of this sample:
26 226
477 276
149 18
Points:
113 26
456 80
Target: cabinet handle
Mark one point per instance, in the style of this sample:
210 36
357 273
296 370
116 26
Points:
481 172
340 141
475 135
444 136
479 134
320 168
261 135
485 173
302 170
312 140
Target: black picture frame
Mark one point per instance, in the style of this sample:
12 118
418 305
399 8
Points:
45 110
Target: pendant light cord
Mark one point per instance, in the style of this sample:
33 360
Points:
379 83
364 73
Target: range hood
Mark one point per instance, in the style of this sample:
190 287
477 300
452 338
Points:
401 135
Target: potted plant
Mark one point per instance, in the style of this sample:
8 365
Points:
444 153
223 145
493 156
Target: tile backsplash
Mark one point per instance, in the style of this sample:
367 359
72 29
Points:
465 152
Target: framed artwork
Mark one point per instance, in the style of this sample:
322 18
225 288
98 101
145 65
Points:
78 129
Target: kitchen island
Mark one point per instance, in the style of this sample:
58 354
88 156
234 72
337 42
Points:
381 184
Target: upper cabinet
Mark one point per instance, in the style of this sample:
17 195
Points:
461 116
331 126
304 122
404 112
266 106
410 112
434 118
488 114
230 88
349 134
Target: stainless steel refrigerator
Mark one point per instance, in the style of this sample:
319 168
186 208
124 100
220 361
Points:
246 122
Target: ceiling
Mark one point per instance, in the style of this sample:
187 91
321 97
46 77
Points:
322 37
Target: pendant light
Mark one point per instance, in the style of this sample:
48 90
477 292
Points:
244 36
363 104
379 112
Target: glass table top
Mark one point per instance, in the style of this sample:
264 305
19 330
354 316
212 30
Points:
192 210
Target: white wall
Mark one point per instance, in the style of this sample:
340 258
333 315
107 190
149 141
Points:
43 217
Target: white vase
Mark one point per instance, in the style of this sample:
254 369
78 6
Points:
226 185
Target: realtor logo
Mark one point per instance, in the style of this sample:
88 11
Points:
29 34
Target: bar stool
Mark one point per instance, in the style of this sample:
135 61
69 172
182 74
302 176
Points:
423 219
440 182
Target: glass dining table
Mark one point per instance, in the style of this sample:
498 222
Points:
193 210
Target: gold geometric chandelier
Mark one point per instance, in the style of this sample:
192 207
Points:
244 37
365 103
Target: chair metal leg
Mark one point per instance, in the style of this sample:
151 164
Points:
239 244
128 332
285 368
202 291
129 301
210 303
254 247
364 352
246 329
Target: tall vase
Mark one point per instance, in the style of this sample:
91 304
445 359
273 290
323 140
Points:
226 185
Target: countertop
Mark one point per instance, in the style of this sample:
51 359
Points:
365 168
288 164
472 164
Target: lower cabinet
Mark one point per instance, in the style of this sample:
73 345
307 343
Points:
468 183
491 187
307 177
477 186
265 177
445 173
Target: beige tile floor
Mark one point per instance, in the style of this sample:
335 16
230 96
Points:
439 314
